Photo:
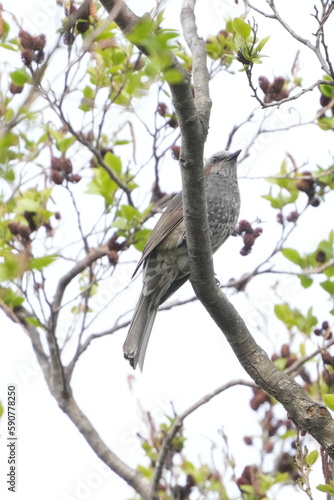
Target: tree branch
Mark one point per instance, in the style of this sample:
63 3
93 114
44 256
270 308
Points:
304 41
165 447
21 316
310 415
91 257
131 476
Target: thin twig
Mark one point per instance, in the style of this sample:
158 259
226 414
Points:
165 447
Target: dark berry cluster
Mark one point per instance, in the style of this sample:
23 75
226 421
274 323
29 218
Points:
274 91
20 230
15 89
249 235
61 169
291 217
175 151
162 110
325 101
23 231
308 186
259 397
32 48
272 427
250 476
114 247
324 331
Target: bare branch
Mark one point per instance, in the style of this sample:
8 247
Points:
277 104
21 316
91 257
300 362
131 476
304 41
178 424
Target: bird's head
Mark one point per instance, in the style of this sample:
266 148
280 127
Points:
223 163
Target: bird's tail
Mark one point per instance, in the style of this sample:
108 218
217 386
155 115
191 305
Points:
135 344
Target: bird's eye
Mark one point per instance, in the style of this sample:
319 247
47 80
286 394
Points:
215 159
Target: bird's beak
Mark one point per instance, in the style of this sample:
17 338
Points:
234 156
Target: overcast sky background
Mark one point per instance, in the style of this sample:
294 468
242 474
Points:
187 356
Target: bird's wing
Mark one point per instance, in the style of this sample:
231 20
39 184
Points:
170 219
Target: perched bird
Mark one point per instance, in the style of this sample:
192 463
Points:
165 256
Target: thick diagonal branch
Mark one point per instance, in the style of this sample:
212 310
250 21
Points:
131 476
308 414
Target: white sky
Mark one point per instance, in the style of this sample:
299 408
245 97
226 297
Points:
54 460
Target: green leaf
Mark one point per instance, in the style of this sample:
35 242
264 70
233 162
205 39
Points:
40 262
312 457
281 200
121 142
173 76
302 349
27 205
247 488
113 162
141 239
65 143
292 255
329 272
295 318
327 90
328 286
280 363
288 434
284 313
10 298
305 281
261 44
121 223
326 488
34 322
329 401
326 123
8 46
1 410
20 77
241 27
148 473
102 185
129 213
88 92
13 266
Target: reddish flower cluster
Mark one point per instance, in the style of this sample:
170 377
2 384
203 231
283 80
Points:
308 186
249 235
274 91
61 168
20 230
114 247
175 151
32 48
324 331
292 217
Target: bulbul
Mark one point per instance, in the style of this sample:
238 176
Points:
165 256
